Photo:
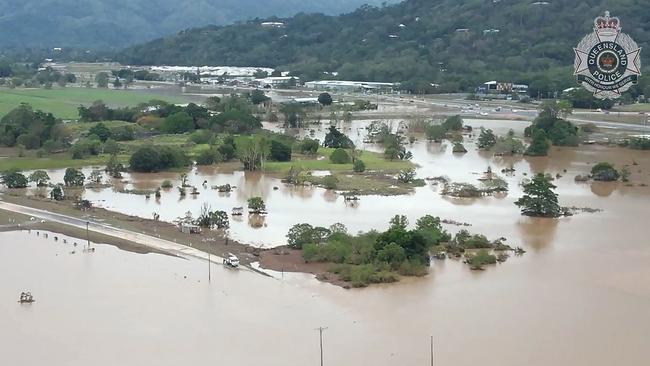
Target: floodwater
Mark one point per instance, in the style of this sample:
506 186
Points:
578 297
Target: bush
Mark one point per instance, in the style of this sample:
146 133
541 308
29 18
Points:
309 146
340 156
605 172
178 123
208 157
453 123
13 179
201 137
167 184
540 145
359 166
280 151
155 158
330 182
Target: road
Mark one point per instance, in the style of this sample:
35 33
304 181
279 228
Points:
148 241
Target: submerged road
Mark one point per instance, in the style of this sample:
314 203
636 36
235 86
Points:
148 241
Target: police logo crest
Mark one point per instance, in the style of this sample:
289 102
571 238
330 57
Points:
607 61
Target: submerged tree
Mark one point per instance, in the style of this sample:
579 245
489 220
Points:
256 205
487 139
539 199
40 177
73 178
13 179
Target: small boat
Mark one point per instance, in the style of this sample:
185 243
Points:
26 298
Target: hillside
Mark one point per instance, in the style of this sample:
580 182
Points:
456 43
117 23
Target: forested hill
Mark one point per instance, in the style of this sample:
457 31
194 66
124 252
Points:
117 23
456 43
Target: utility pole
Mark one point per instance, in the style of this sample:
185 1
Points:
431 350
209 268
320 332
88 233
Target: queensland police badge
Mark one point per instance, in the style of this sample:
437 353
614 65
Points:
607 61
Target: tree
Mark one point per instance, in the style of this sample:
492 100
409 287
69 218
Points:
40 177
114 168
73 178
101 79
96 176
605 172
177 123
252 152
539 199
391 153
330 182
258 97
13 179
110 147
359 166
539 146
117 83
256 205
435 132
335 139
301 234
487 139
57 193
325 99
280 151
453 123
399 222
208 157
340 156
101 131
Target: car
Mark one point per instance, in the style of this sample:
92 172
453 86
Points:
231 261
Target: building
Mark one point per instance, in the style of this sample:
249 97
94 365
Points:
495 87
189 228
274 82
349 86
272 24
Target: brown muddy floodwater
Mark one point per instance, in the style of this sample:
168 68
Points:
579 297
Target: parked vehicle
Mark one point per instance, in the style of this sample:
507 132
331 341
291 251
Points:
231 261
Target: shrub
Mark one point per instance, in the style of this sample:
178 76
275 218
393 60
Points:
167 184
604 172
280 151
340 156
155 158
201 137
330 182
359 166
208 157
309 146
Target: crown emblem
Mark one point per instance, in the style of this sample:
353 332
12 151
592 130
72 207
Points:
607 61
607 25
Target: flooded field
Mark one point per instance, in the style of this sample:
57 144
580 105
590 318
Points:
288 205
578 297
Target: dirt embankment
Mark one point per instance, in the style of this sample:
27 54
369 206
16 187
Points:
283 259
209 241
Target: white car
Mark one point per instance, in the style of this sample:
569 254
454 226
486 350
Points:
231 261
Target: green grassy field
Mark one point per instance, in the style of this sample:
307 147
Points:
57 161
63 102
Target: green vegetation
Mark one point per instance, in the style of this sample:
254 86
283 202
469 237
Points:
372 257
256 205
487 139
539 145
73 178
539 199
325 99
212 219
605 172
155 158
40 177
336 139
13 179
340 156
550 120
64 103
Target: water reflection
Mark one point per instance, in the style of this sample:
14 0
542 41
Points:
537 233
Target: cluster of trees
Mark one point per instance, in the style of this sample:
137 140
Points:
32 75
439 131
33 129
374 256
550 127
151 158
369 44
212 219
